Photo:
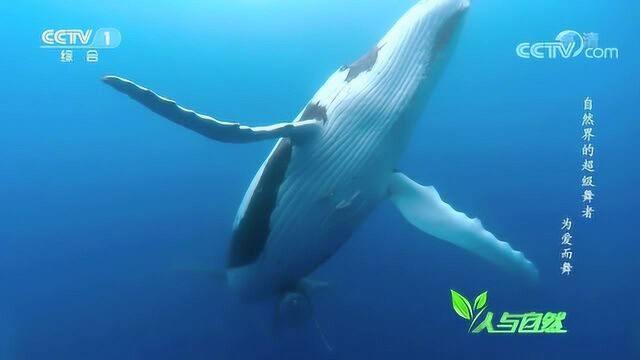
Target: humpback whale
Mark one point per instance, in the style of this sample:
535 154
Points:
336 161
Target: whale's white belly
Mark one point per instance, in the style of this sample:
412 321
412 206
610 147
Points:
330 186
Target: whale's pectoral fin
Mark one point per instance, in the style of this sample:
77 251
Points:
423 207
208 126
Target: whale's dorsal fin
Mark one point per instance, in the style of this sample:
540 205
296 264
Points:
423 208
208 126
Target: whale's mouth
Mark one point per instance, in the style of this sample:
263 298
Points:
450 27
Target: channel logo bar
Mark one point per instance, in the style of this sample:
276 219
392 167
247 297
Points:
103 38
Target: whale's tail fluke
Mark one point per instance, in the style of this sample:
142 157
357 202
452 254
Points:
208 126
423 207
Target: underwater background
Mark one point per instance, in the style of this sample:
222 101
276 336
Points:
103 202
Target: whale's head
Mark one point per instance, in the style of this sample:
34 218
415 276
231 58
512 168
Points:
396 76
415 45
425 34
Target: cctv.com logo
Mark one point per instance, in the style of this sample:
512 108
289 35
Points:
568 44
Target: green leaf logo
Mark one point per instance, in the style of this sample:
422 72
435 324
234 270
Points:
463 308
461 305
480 302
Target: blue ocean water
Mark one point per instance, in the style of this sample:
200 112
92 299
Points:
101 200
